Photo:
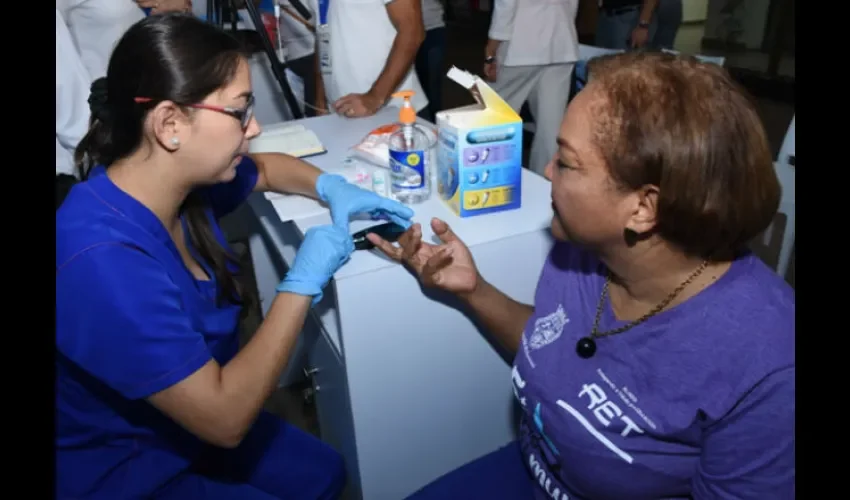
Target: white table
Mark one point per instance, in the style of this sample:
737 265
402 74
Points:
407 388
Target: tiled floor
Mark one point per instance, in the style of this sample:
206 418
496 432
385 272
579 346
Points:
466 46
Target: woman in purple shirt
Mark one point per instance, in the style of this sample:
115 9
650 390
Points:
658 358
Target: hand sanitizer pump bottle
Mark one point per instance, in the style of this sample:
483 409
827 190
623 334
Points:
411 176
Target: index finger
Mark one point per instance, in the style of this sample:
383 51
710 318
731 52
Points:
393 252
411 241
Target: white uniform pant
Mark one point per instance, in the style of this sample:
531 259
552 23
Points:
546 88
72 93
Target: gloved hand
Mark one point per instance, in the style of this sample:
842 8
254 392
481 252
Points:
346 199
324 250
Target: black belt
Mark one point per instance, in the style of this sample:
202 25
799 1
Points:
616 11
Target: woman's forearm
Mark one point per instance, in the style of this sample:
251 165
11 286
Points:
249 378
503 316
285 174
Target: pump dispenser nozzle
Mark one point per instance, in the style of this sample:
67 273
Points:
406 115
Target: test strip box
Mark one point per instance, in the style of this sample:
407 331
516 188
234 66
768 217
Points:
479 152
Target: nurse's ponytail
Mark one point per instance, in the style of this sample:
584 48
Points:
178 58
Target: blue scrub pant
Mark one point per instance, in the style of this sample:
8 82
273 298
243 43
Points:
275 461
500 474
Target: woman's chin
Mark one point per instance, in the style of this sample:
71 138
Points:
230 174
557 230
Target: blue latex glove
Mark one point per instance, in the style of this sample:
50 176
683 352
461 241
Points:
324 250
346 199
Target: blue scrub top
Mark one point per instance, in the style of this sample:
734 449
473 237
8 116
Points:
131 321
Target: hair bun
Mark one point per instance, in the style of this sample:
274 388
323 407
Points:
98 99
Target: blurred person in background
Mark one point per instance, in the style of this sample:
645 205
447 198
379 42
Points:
365 53
668 17
72 93
531 49
432 55
625 24
299 41
96 26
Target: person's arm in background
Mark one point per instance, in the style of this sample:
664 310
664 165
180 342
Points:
160 6
640 35
501 28
406 17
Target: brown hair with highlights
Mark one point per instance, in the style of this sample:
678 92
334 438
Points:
686 127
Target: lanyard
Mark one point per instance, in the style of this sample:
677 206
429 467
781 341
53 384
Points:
147 11
323 11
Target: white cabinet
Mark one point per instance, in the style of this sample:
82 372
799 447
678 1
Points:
407 387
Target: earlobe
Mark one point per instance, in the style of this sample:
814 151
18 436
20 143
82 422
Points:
645 215
167 124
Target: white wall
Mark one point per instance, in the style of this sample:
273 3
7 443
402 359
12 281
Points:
694 11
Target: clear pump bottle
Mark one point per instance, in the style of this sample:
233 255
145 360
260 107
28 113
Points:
409 159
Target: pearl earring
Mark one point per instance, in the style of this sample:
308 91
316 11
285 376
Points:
175 141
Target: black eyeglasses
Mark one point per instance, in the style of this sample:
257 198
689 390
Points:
244 115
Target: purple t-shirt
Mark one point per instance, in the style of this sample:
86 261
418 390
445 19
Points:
698 400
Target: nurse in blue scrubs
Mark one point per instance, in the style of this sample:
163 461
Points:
154 399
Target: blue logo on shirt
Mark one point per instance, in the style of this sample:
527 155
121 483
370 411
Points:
538 422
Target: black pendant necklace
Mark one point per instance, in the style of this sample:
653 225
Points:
586 346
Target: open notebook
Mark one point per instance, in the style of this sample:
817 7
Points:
295 140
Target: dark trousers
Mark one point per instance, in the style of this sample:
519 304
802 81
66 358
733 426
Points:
430 71
669 16
305 68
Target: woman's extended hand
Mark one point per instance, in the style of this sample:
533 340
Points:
346 199
448 266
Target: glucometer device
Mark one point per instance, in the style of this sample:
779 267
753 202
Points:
389 231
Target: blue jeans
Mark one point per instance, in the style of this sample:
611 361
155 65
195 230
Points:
430 71
669 18
615 31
